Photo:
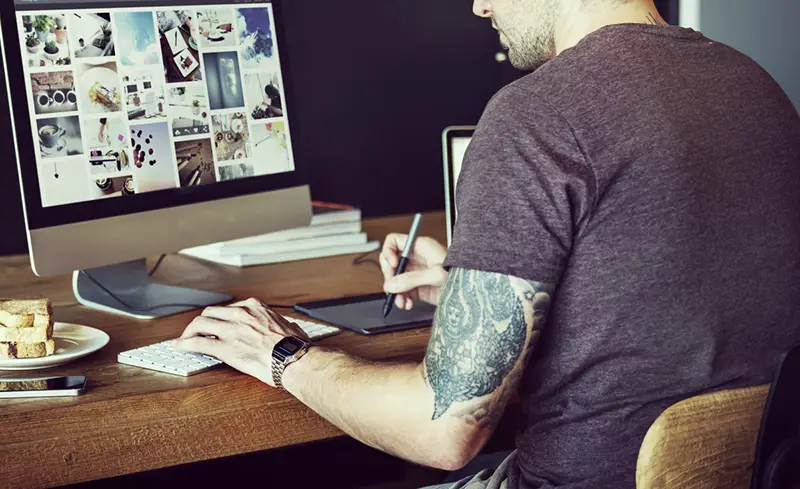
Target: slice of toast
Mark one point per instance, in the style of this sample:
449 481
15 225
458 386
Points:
27 350
26 313
36 334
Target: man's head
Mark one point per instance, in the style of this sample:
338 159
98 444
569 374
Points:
533 31
527 28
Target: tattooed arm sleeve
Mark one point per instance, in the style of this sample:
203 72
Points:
484 328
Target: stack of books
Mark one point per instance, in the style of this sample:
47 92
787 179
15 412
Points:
335 229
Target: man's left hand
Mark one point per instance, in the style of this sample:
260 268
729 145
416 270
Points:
244 336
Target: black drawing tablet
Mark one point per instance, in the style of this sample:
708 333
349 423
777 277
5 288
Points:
364 314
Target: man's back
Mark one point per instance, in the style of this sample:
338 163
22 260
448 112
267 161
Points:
670 196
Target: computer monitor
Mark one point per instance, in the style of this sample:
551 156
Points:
455 140
144 127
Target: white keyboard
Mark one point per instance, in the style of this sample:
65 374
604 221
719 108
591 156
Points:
164 358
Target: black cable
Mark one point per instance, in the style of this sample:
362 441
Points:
361 259
132 308
155 267
161 306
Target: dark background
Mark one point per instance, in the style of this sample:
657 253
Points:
375 82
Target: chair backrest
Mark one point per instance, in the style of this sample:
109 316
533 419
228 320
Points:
705 442
735 439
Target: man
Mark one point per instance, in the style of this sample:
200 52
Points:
628 236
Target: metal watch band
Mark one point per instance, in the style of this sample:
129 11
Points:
277 372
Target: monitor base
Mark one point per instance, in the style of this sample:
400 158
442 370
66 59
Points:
138 296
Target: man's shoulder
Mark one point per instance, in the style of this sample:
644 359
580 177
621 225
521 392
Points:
562 78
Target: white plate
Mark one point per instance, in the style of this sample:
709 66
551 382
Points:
106 77
73 341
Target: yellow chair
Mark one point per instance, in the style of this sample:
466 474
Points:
735 439
705 442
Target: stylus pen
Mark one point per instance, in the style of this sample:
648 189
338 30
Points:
401 267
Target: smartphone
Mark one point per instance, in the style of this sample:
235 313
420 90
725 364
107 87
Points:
74 385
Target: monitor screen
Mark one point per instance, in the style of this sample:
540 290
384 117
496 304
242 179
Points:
127 99
459 147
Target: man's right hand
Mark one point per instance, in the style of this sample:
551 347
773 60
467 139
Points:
424 275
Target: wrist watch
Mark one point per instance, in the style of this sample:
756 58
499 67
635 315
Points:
284 353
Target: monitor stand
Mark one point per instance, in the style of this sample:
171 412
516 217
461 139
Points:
142 297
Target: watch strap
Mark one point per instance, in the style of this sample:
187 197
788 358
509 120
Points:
277 372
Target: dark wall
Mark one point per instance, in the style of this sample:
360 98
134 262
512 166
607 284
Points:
376 81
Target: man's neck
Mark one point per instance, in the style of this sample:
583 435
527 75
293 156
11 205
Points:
578 20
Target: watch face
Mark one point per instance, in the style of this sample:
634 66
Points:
288 346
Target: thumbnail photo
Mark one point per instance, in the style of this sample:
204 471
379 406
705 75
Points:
104 188
46 40
231 136
98 86
137 43
188 110
224 80
62 182
264 99
91 35
270 147
233 172
54 92
59 136
178 39
256 45
195 162
144 95
107 140
216 28
153 157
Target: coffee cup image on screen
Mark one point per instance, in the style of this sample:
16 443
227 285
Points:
144 95
98 87
137 43
236 171
107 142
224 80
255 39
216 27
231 136
188 110
104 188
195 162
263 94
178 32
91 34
153 157
59 136
45 40
270 147
63 181
54 92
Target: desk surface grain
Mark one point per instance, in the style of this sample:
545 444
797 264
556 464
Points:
132 419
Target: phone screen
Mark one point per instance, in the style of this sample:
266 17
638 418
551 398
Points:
45 384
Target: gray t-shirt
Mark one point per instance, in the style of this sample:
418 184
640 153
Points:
654 175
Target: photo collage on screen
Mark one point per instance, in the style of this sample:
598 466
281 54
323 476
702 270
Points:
129 101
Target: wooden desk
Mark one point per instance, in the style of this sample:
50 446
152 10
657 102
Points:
133 420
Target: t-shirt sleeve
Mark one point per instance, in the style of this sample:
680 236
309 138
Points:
524 191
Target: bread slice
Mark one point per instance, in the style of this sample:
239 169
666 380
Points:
26 313
34 334
27 350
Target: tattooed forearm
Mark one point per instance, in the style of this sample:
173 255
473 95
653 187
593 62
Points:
484 323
